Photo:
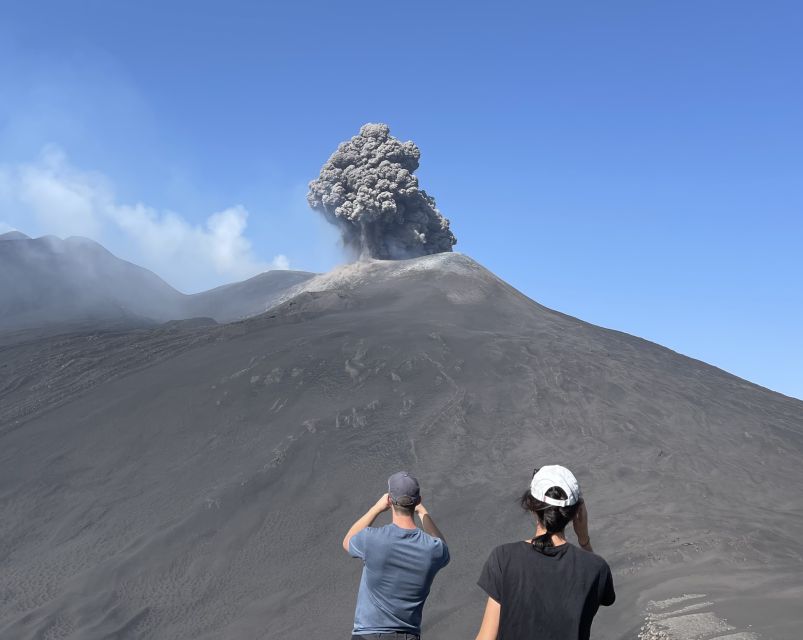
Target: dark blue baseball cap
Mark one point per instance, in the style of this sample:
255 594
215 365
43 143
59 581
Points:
404 490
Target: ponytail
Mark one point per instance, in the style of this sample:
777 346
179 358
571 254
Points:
542 542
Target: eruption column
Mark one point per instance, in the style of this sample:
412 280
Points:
367 188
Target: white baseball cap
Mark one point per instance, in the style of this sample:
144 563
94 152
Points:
555 476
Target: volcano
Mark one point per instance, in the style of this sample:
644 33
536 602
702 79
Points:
195 480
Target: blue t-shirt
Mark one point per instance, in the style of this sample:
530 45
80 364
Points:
399 566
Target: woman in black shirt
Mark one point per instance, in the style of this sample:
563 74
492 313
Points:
545 587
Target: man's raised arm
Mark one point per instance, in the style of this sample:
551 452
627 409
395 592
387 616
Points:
427 523
382 505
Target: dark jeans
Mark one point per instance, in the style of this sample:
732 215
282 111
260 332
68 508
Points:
387 636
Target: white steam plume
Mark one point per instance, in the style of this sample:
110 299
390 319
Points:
54 197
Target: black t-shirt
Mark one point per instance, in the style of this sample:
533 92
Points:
550 595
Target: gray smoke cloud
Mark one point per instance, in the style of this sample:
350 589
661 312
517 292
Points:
367 188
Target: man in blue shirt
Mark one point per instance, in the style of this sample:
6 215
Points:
400 561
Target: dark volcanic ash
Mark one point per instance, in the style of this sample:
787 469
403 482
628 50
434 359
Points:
367 188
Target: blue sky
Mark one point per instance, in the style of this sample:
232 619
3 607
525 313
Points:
636 164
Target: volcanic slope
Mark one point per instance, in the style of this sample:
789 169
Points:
202 491
48 283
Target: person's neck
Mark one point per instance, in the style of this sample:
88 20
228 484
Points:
403 522
557 538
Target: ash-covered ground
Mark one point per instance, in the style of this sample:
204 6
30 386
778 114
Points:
194 480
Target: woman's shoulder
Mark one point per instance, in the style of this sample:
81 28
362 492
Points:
592 559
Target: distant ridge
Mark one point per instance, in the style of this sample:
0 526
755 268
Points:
48 282
13 235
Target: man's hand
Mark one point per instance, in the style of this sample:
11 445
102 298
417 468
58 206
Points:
382 505
421 510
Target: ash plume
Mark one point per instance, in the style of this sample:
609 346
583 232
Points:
367 188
